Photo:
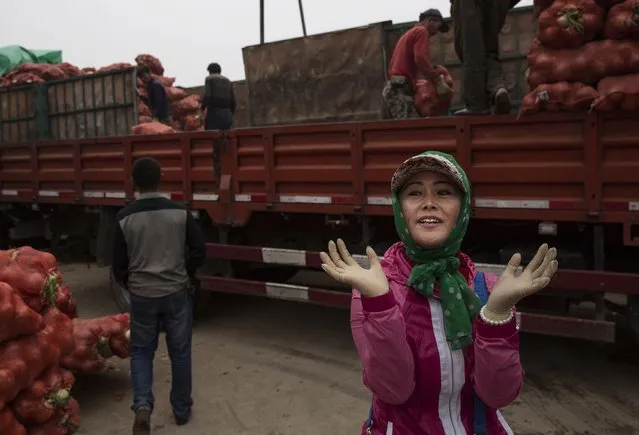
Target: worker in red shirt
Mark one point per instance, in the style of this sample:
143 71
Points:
477 28
411 62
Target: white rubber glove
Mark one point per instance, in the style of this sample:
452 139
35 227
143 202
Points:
442 87
342 267
511 287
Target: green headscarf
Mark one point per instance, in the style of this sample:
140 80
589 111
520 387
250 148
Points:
459 302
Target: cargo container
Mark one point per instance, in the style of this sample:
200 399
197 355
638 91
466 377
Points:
94 105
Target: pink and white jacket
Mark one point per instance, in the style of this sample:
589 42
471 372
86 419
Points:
420 386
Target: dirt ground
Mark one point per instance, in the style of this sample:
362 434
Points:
277 368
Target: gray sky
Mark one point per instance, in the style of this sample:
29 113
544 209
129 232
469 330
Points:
186 35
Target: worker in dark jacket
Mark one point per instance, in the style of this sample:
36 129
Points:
158 248
411 62
218 100
477 27
157 99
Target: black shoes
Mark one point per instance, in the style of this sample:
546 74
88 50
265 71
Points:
183 421
142 422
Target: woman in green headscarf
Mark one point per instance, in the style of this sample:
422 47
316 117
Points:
438 340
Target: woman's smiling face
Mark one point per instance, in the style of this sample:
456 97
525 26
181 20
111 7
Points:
431 203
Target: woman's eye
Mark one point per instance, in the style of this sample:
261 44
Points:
444 192
414 193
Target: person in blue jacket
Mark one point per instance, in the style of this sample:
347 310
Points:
157 99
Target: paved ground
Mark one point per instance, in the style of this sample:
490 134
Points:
276 368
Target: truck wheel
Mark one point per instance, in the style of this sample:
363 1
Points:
120 294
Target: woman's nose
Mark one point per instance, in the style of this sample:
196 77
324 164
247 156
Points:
429 202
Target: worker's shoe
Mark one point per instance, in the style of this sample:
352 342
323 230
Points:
468 112
181 421
142 422
503 105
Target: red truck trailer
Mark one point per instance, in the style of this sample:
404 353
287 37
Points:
270 198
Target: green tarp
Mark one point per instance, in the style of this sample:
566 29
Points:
13 55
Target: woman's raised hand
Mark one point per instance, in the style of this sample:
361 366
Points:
511 287
342 267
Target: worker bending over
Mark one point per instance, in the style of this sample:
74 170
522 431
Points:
477 27
157 100
218 100
411 62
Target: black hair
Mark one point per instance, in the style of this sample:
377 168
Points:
147 173
214 68
422 16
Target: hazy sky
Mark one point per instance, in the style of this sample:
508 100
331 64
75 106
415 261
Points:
186 35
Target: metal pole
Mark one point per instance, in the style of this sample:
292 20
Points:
262 21
302 16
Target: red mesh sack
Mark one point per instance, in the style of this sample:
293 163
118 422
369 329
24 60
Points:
427 101
16 318
143 109
587 64
39 402
618 93
559 97
176 94
66 421
570 23
91 348
192 123
22 360
115 67
188 105
151 62
607 4
23 79
153 127
623 21
9 424
70 70
166 81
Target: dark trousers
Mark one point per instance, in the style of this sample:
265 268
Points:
218 119
176 314
477 27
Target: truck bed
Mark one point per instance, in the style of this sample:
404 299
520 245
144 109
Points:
561 167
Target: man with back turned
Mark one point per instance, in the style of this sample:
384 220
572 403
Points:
218 100
158 248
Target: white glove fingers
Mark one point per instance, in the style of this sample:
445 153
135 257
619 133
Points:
551 254
550 271
373 259
537 259
343 252
513 265
327 260
332 251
